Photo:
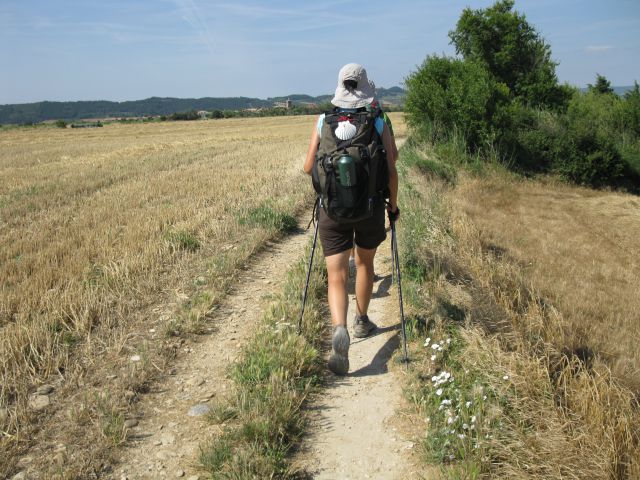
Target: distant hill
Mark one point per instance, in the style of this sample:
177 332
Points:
42 111
622 90
619 90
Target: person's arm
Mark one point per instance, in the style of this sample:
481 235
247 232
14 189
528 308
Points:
313 149
387 120
389 144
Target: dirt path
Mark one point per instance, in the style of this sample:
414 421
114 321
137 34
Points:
165 441
355 432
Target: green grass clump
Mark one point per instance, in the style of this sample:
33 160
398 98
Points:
267 217
182 240
277 370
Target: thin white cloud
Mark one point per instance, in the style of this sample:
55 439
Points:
324 10
597 48
191 14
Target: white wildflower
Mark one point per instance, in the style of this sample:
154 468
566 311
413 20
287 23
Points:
435 346
473 419
450 420
448 341
439 392
461 436
433 358
506 377
484 397
465 426
468 404
427 342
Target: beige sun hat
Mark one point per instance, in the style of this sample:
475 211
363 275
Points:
360 96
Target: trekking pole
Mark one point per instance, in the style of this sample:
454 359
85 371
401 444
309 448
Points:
396 261
393 256
393 259
313 249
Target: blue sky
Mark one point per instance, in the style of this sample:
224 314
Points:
133 49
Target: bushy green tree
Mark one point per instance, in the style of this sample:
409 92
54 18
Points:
511 49
602 85
630 111
447 95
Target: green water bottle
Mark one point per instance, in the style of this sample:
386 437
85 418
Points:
347 171
347 177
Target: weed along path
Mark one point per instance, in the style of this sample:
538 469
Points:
355 430
171 422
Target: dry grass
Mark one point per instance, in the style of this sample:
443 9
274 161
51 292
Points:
99 224
561 263
107 232
548 274
580 249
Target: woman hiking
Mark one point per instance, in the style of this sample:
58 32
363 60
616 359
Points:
331 148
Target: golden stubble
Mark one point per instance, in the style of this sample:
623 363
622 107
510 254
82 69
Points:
88 219
561 263
580 249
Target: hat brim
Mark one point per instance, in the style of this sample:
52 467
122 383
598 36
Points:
353 98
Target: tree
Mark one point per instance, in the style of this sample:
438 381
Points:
448 95
512 51
631 110
602 85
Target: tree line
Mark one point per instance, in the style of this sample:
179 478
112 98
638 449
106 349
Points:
29 113
501 98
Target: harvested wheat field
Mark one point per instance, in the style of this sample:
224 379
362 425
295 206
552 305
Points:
107 230
556 275
118 246
580 249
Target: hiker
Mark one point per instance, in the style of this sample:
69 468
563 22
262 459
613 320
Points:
354 102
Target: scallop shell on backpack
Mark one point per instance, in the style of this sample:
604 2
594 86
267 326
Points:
346 130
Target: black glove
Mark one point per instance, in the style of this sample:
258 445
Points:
393 216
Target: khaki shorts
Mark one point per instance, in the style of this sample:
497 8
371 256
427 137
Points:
338 237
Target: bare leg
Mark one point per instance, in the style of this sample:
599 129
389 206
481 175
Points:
338 273
364 279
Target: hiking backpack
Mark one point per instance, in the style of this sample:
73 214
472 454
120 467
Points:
350 172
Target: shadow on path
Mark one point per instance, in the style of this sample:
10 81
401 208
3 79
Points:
383 287
378 364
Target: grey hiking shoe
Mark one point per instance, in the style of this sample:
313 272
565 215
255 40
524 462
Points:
339 359
362 326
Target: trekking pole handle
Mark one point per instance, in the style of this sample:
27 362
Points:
393 216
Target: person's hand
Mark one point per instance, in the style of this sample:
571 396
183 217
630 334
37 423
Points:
393 215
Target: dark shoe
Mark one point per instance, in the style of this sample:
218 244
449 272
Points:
339 359
362 326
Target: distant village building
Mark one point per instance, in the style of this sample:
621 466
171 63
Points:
203 114
288 104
